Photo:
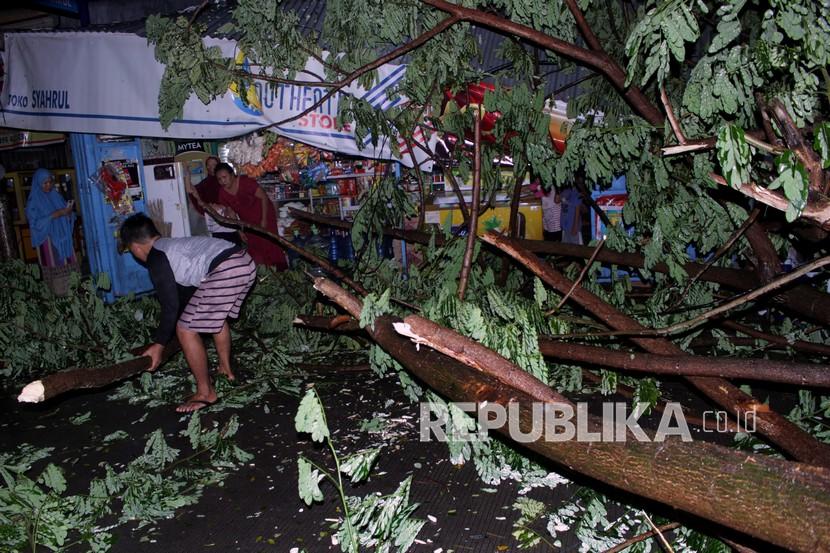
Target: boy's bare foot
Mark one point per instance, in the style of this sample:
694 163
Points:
196 403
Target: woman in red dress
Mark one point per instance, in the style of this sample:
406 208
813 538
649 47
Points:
248 200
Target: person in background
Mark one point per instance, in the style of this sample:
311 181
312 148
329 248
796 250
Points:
552 215
573 209
208 191
250 203
222 273
51 222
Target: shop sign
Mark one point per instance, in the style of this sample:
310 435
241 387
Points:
115 91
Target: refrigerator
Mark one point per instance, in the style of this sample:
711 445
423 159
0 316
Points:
101 220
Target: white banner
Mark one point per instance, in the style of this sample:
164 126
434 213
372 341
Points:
108 83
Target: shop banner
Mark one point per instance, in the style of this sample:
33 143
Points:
108 83
11 139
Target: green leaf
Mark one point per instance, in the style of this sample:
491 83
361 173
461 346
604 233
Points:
374 307
358 466
733 155
115 436
540 294
792 177
311 418
308 482
52 477
821 143
78 420
727 32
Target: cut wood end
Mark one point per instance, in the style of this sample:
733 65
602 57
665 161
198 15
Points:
298 321
33 392
405 330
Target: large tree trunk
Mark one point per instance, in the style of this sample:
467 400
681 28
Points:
777 429
84 378
781 502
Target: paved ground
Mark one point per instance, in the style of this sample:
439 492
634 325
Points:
258 508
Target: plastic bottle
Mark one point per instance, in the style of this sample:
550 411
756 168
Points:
333 249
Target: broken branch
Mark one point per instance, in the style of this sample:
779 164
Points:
82 378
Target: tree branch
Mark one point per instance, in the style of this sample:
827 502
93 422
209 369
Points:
302 252
84 378
720 253
357 73
598 60
703 317
472 228
577 282
798 345
764 370
795 141
675 124
777 429
816 212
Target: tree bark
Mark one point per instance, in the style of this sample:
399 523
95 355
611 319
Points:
472 227
799 345
777 501
777 429
799 374
83 378
768 265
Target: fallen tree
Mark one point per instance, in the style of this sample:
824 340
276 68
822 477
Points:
781 502
777 429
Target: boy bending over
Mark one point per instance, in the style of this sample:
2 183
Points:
222 274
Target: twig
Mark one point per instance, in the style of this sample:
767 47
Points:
594 56
394 54
472 229
271 79
196 13
753 215
659 533
739 300
675 124
799 345
765 121
657 530
582 274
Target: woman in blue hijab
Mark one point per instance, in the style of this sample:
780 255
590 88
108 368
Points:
51 222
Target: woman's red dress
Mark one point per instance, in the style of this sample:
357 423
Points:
263 250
